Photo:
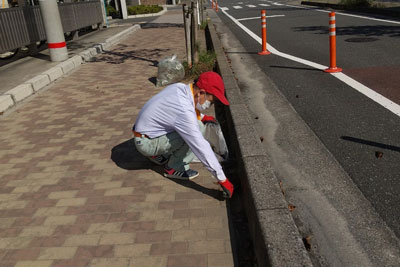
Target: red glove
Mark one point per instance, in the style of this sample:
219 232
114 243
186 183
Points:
208 119
227 187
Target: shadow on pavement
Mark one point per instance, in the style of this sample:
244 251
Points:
294 68
126 156
380 30
371 143
153 80
118 57
207 191
160 25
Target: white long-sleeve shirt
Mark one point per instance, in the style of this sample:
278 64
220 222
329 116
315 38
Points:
173 109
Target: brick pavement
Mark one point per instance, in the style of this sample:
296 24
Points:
73 192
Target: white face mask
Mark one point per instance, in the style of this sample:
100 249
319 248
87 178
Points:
204 106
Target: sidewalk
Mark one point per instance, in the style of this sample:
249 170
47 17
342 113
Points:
23 69
73 191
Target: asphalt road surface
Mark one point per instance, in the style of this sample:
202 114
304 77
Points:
359 123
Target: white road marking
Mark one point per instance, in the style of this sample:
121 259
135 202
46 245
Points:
251 5
361 17
237 7
263 5
378 98
259 17
302 7
277 4
224 8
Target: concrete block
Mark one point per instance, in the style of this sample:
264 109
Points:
262 184
54 73
39 81
281 236
105 46
240 114
86 55
98 48
110 41
249 142
67 66
20 92
77 60
6 102
93 51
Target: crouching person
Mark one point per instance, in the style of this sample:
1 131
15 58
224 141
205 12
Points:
169 128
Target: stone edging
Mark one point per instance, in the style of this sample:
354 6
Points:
19 93
276 239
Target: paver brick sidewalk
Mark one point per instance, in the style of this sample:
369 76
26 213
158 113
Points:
73 192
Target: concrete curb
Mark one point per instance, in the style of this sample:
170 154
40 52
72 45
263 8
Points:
12 97
276 239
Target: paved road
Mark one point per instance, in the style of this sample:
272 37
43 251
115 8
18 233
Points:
362 135
352 126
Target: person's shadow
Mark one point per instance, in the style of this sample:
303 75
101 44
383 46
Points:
127 157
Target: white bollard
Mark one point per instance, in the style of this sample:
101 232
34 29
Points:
54 30
124 10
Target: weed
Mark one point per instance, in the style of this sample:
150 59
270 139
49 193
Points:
206 62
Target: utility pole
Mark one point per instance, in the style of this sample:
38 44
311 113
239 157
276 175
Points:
186 22
54 30
104 12
194 24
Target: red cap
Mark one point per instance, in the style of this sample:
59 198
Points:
212 83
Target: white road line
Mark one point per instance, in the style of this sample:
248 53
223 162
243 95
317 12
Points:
263 5
302 7
259 17
251 5
378 98
237 7
277 4
361 17
224 8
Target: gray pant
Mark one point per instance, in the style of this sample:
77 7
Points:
171 146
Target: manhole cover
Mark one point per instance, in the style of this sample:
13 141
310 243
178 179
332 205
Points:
361 39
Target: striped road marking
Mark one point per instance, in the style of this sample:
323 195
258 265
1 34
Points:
224 8
263 5
272 16
237 7
251 5
368 92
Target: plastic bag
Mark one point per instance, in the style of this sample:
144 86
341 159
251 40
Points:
215 137
213 134
170 70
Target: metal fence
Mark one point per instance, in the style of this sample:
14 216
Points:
23 26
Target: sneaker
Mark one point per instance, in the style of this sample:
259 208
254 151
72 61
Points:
159 160
185 175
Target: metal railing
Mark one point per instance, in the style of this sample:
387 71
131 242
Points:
24 26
